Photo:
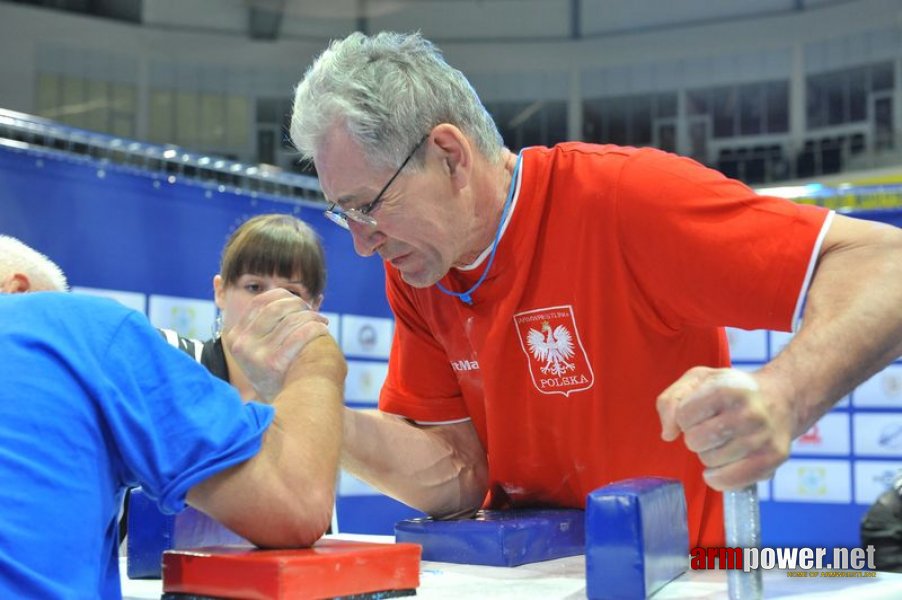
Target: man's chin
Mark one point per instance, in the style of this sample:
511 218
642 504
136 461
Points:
419 279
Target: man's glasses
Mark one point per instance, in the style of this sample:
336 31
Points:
362 215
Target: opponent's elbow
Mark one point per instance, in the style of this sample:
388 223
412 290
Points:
307 530
301 523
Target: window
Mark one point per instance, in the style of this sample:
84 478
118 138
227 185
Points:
538 123
858 96
162 125
97 105
816 103
201 121
743 110
777 107
697 102
751 103
617 124
882 77
640 117
639 120
187 120
724 105
840 97
835 88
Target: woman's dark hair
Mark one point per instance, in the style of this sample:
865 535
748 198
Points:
278 245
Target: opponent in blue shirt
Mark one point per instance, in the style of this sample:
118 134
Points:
94 401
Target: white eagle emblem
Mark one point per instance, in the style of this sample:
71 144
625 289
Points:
553 347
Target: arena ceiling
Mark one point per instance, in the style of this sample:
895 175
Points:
282 19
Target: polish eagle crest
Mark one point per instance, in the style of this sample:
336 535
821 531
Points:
553 347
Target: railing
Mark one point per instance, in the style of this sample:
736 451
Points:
172 163
166 162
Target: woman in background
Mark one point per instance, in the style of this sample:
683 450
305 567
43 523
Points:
266 252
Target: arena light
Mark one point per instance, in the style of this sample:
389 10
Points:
810 190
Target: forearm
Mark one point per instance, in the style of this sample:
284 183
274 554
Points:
440 470
284 495
852 326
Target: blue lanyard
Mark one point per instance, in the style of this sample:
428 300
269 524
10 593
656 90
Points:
467 297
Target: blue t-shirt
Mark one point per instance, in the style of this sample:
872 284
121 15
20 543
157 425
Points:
93 400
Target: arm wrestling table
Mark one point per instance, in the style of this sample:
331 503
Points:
565 578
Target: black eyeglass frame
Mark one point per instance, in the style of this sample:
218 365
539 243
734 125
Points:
361 215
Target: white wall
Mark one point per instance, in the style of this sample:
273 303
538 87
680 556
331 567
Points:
511 49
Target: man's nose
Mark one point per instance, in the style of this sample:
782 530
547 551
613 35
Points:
367 238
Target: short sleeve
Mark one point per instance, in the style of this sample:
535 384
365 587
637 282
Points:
173 424
707 250
420 384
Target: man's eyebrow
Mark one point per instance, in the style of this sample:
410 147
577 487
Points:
360 196
346 199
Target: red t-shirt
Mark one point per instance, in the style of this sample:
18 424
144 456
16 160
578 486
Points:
616 273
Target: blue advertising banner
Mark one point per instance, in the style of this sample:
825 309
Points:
153 241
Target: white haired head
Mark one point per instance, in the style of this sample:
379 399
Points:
388 91
23 268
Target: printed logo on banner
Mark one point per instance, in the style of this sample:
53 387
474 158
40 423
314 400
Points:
891 436
812 437
882 390
885 478
830 435
183 318
549 338
804 480
891 382
369 337
747 345
812 481
188 316
878 433
364 381
873 477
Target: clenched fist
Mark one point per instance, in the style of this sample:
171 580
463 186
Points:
740 432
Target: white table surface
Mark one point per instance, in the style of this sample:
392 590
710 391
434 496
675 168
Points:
565 578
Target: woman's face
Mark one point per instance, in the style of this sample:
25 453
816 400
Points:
232 300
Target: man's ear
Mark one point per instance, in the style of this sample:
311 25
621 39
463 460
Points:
456 152
17 283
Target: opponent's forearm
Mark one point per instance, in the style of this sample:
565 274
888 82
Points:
284 495
439 470
852 326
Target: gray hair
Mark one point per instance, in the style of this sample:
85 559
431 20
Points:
16 257
388 90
